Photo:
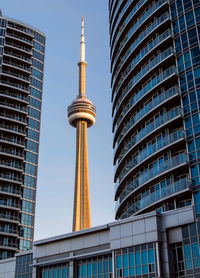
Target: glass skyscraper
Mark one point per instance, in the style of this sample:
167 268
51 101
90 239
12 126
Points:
21 80
155 66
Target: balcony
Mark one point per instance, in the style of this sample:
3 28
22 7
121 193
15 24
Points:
9 217
18 56
17 96
143 35
145 16
11 164
10 190
17 107
13 140
15 129
20 47
22 87
18 66
19 38
10 204
24 30
12 152
7 230
16 76
150 175
11 177
147 130
137 59
149 152
150 106
17 118
155 82
159 196
157 60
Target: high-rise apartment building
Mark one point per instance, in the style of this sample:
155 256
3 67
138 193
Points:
21 79
155 65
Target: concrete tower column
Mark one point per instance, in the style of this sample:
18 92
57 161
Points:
81 115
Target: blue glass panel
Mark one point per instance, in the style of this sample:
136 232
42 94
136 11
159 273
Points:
55 273
89 269
195 250
84 270
105 266
119 261
145 269
132 259
100 267
50 273
65 273
125 272
151 256
94 268
125 260
138 258
79 271
59 272
144 257
138 270
132 271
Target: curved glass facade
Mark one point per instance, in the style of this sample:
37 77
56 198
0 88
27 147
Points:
155 66
21 79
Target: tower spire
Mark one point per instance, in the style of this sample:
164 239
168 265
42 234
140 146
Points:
81 115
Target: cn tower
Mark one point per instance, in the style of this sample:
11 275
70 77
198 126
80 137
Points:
81 114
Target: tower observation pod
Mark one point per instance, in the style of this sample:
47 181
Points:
81 114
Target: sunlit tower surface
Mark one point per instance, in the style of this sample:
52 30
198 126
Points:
81 115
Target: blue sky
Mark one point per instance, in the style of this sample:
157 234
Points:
60 20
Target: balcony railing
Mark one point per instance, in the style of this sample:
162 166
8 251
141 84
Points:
16 75
12 139
156 101
9 189
11 163
164 142
14 128
28 50
145 90
15 95
146 69
10 176
9 203
17 65
14 152
15 106
138 23
137 41
13 117
156 196
166 117
15 85
22 57
8 244
148 48
13 35
151 174
23 29
9 217
8 230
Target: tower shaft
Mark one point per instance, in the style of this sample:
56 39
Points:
81 217
81 115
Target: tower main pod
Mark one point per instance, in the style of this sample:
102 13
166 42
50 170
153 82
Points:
81 114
